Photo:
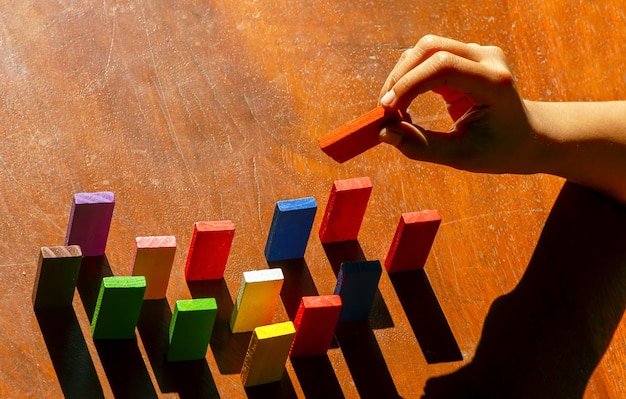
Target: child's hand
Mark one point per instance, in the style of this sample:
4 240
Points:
491 131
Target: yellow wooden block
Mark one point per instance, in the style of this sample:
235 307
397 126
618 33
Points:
256 302
153 259
267 354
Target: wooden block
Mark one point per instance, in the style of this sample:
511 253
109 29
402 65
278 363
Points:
209 249
345 210
90 220
412 241
267 354
257 299
290 229
191 328
153 259
315 325
57 274
357 283
118 307
357 136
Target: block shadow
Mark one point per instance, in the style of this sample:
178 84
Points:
282 389
92 270
298 283
121 359
190 379
365 360
125 369
546 337
426 317
68 353
228 349
351 251
317 377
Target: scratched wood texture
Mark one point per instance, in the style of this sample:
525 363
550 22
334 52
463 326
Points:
210 110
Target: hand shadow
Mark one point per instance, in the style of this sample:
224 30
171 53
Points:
546 337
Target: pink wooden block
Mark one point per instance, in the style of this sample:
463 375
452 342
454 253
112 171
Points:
154 257
315 325
345 210
412 242
209 249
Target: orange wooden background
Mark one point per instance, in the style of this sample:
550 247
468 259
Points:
210 110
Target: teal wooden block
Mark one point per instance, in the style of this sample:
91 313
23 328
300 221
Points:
191 328
118 307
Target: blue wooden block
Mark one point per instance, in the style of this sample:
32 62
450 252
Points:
290 229
357 283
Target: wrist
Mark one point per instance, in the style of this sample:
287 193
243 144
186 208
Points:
546 148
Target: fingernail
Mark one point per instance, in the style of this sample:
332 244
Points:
388 136
388 98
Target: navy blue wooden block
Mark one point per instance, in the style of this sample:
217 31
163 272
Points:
290 229
357 283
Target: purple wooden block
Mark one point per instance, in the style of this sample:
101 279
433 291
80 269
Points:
90 220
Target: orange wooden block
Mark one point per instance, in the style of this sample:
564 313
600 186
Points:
357 136
153 259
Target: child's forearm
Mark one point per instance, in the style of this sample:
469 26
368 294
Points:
586 142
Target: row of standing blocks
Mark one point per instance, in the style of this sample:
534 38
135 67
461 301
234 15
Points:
120 298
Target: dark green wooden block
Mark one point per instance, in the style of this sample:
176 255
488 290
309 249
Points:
118 307
191 328
57 273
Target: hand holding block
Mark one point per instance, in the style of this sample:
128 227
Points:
267 354
118 307
208 251
345 210
315 325
191 328
153 259
359 135
412 241
57 274
290 229
90 220
257 299
357 283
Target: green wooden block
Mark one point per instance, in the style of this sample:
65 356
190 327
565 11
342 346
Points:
57 273
191 328
118 307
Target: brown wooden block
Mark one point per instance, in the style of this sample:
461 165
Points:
57 274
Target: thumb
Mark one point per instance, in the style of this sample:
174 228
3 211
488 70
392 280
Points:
421 144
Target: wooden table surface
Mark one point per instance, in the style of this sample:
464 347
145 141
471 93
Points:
210 110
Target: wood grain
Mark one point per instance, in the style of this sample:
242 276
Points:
211 110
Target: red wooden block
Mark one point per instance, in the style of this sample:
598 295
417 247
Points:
359 135
209 249
345 210
412 242
315 325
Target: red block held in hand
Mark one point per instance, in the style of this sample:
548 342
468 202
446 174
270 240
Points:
359 135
